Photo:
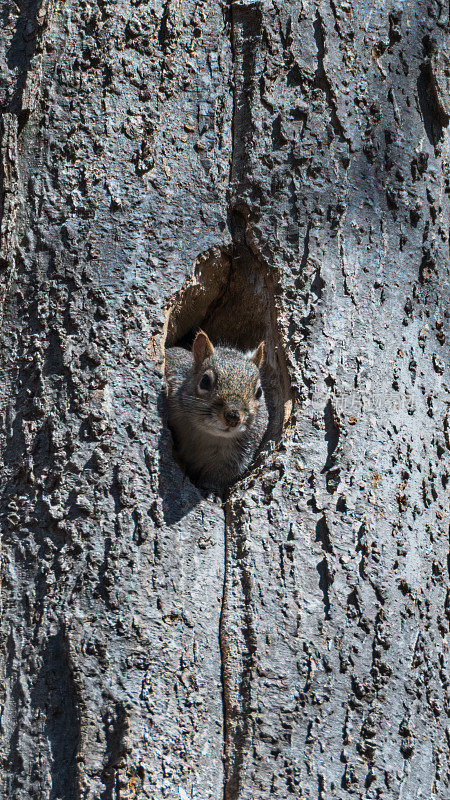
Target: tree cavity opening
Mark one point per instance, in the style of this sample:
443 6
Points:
232 297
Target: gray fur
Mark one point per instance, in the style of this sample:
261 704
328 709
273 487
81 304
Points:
214 461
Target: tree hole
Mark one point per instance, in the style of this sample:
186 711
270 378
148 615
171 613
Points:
232 297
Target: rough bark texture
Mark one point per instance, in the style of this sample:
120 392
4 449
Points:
290 641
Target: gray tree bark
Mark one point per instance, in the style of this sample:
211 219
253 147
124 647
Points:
261 168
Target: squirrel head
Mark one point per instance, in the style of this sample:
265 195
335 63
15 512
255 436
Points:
227 386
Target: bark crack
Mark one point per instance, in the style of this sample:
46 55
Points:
8 210
25 60
25 46
245 33
238 655
322 81
237 634
223 643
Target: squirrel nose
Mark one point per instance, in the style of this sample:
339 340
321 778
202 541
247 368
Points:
232 418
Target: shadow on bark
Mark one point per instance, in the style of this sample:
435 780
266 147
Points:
55 694
21 51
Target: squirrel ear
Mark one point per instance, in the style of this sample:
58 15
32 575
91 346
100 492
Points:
258 355
202 348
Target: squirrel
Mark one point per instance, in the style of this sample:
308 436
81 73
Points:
216 409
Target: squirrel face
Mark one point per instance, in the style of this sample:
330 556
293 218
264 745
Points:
228 388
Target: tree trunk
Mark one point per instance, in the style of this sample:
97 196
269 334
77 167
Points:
260 168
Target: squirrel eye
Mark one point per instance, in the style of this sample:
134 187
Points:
258 392
206 382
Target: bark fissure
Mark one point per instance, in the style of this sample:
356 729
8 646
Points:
238 646
322 80
246 21
8 209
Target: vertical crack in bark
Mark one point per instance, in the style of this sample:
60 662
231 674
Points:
23 58
305 254
224 652
322 80
8 208
238 648
237 630
246 22
116 727
236 733
233 89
